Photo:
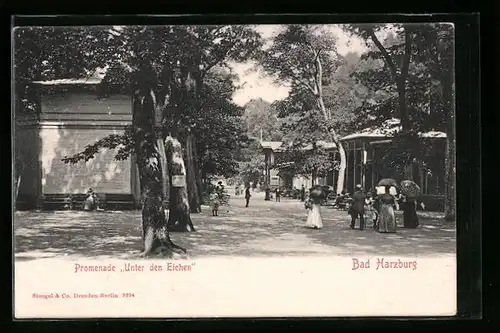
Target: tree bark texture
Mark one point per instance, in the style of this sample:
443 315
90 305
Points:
199 181
165 178
179 219
154 225
191 171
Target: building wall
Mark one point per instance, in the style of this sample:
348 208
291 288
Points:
26 146
85 106
103 173
67 124
299 181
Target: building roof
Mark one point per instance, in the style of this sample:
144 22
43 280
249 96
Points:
93 79
273 145
89 81
322 144
387 130
433 134
278 145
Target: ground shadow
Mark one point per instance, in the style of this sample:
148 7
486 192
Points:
263 229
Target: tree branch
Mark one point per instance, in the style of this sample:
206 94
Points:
407 56
217 60
302 82
319 85
387 57
319 74
124 144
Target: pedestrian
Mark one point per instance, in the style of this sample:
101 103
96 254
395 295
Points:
278 194
214 198
386 217
247 196
410 217
316 196
357 208
369 210
303 193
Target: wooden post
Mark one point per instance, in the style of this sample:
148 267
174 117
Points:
363 165
354 165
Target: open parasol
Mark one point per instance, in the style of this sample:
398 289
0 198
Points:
317 193
410 189
381 190
388 182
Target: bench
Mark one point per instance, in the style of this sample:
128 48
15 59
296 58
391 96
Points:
57 202
120 202
329 203
77 200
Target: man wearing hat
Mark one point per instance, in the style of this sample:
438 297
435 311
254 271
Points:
357 208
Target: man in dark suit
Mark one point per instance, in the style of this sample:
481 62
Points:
358 208
247 196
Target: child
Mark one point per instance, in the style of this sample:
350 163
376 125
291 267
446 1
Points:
370 213
214 198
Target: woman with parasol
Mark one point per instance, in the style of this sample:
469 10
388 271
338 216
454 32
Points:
386 204
410 191
316 195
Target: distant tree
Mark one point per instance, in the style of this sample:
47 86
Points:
220 133
261 119
252 165
305 56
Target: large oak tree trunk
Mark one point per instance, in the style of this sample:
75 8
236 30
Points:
154 227
179 218
165 174
199 181
191 171
403 110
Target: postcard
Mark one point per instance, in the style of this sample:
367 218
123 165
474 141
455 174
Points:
197 171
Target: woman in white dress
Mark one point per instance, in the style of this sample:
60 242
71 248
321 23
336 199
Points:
316 196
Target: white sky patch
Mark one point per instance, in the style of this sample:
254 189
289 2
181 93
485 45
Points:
255 85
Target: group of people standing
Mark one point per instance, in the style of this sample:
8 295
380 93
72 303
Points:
378 208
